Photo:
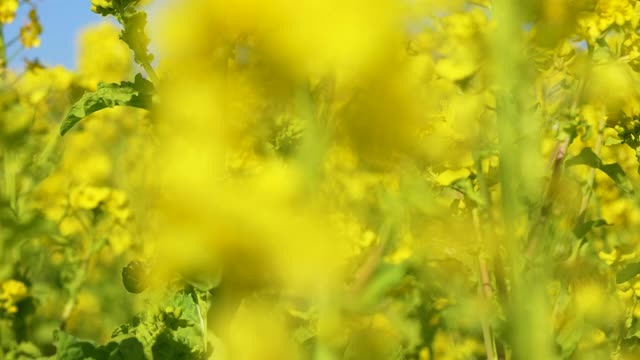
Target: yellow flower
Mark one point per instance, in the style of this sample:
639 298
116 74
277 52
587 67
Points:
116 204
101 3
257 333
614 11
636 286
462 50
609 258
592 339
399 255
29 33
103 57
88 197
612 85
13 291
8 10
119 239
592 301
594 23
624 293
636 311
447 177
449 346
425 354
70 226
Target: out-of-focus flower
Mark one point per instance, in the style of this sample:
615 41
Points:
448 176
613 85
463 44
103 57
450 347
8 10
257 332
88 197
12 292
111 7
291 33
29 33
592 24
592 300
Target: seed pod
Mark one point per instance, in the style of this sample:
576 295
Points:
135 276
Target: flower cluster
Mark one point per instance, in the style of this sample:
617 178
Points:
29 33
11 293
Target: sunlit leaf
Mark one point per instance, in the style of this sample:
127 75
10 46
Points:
628 272
135 94
616 173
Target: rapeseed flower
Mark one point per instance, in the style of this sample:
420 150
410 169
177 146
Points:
8 10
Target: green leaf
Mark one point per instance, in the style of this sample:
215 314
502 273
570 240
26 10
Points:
172 326
71 348
185 301
569 337
133 35
24 351
136 94
614 170
384 279
117 8
168 347
128 349
601 53
628 272
465 186
204 280
585 157
456 68
303 334
581 229
612 141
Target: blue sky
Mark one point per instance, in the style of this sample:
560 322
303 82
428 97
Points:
61 21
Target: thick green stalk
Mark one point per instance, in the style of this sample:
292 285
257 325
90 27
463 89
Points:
152 74
202 298
10 174
1 344
527 311
9 156
3 53
484 291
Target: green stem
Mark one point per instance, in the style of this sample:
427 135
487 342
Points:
586 197
9 177
527 311
152 74
484 276
202 307
45 155
555 166
10 174
485 291
3 54
483 188
15 54
557 158
592 172
1 344
82 276
12 41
